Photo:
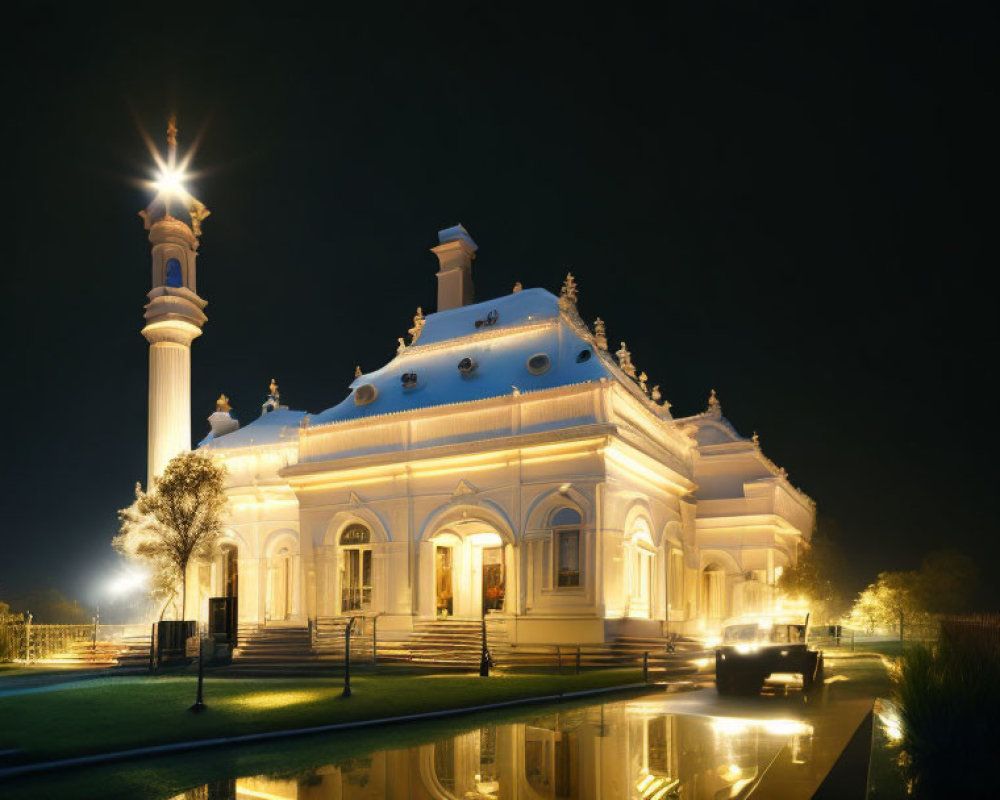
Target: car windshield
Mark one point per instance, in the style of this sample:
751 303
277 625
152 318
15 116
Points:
788 634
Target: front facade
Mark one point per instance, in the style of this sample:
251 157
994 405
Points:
504 462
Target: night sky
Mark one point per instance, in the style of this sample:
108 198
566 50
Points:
790 207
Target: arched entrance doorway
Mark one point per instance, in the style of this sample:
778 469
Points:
470 571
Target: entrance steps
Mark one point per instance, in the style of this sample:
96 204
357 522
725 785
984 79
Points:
275 650
447 643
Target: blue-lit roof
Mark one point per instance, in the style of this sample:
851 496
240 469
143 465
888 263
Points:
527 323
280 425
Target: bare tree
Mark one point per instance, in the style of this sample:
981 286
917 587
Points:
178 520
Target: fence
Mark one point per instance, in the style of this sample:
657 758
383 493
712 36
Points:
981 630
23 640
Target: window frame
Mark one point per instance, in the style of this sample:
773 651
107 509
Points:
558 531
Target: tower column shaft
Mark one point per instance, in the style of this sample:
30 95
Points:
169 404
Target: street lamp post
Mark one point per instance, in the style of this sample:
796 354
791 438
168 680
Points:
347 659
484 656
199 703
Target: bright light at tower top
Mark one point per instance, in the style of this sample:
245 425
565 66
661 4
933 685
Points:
172 195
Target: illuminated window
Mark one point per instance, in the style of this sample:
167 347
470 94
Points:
356 569
566 543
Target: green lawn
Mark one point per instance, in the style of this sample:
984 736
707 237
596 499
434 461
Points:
121 713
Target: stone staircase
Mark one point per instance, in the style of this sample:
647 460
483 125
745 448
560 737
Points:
276 650
444 644
135 653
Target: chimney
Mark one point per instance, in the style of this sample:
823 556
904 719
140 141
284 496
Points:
455 253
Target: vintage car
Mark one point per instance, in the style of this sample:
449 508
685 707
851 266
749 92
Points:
753 650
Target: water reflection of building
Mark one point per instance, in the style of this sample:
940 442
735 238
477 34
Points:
507 460
632 750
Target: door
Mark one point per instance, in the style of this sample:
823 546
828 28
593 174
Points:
493 579
356 580
443 558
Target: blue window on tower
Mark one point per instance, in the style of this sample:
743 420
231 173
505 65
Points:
173 273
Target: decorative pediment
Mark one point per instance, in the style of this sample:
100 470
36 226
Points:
354 500
463 489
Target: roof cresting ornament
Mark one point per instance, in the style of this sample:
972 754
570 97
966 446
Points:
418 325
600 334
222 404
625 361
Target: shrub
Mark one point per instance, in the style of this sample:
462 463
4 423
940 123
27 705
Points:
949 699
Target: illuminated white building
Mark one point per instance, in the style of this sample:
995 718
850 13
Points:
505 460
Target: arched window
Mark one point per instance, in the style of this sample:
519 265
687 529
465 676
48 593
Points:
173 274
355 569
641 552
355 535
566 523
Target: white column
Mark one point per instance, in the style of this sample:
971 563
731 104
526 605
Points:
169 404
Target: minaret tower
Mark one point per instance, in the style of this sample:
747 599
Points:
174 313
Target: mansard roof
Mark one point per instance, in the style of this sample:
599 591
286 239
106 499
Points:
524 324
280 425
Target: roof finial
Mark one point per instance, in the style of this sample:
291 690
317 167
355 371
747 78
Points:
655 394
418 325
568 293
222 404
755 439
625 361
273 402
357 370
517 287
714 406
643 377
172 130
600 334
402 344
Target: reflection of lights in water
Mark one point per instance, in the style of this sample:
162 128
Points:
733 772
734 726
654 787
888 715
242 791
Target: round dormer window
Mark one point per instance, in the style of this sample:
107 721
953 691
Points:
365 394
539 363
584 355
467 366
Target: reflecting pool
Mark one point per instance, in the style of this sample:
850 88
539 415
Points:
627 749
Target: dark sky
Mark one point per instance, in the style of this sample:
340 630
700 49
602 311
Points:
792 207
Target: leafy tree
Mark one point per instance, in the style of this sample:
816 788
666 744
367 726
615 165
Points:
818 577
180 519
893 601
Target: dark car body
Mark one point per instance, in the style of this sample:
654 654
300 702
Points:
753 651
